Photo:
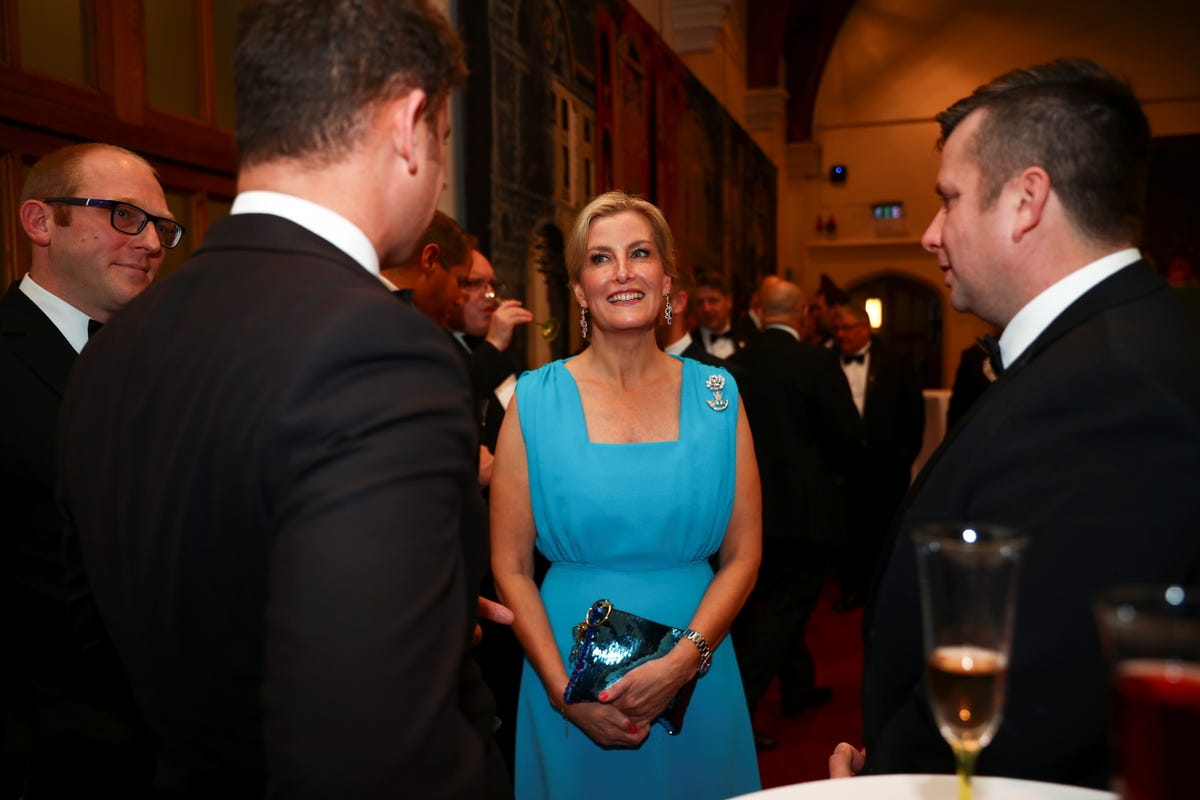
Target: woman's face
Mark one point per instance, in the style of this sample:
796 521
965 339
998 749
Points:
622 282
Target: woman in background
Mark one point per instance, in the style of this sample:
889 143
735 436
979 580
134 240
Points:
627 468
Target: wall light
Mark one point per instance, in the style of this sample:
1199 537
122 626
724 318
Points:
874 308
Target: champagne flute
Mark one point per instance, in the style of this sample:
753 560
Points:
968 578
498 293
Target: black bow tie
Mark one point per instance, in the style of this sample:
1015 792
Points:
713 335
993 350
93 326
861 358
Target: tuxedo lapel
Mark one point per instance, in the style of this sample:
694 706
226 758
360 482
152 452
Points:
34 340
1123 286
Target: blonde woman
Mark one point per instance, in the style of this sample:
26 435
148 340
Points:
627 468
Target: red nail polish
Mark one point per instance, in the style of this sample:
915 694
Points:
604 697
633 727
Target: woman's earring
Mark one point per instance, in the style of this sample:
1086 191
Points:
667 309
583 326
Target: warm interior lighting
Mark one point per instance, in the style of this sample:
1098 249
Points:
874 308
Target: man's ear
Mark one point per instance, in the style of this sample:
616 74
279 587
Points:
406 115
431 259
1033 191
679 299
36 222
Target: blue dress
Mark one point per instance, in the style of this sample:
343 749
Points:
633 523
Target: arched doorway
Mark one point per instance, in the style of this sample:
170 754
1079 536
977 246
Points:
911 323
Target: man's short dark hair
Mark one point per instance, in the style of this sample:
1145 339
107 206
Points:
1080 123
833 294
307 72
713 280
451 239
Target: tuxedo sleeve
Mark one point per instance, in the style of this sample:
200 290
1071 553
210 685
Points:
373 570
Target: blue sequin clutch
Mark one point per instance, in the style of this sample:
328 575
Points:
609 643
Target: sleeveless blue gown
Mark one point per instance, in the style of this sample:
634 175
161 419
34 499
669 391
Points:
633 523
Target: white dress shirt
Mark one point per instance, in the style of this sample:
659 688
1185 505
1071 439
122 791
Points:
70 321
723 347
1036 315
856 376
326 223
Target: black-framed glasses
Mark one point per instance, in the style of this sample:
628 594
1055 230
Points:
128 218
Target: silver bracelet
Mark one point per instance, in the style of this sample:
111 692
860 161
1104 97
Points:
701 643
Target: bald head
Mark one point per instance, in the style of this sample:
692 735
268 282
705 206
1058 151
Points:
781 299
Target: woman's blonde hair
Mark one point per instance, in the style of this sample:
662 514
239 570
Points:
606 205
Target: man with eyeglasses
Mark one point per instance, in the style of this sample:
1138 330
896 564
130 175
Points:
97 222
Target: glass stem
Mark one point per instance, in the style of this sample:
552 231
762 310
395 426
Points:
966 768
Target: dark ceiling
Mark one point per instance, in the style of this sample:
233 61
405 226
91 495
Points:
801 32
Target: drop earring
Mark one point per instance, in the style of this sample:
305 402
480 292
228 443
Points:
667 313
583 325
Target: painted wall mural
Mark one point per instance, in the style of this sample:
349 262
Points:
569 99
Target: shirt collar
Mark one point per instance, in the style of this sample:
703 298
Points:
677 347
779 326
324 222
1036 315
70 321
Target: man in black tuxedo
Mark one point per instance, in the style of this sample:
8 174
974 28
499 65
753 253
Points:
71 728
1089 441
483 325
271 464
888 397
806 436
712 304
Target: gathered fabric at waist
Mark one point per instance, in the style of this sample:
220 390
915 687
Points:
668 595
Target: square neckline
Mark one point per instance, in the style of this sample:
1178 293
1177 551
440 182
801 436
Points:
587 437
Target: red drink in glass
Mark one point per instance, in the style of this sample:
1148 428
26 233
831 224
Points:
1156 716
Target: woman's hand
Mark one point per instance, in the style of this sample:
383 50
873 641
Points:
606 725
643 694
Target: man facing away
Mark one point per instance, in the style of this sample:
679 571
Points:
1088 442
272 469
807 436
97 221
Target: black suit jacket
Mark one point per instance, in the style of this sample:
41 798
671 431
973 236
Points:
66 678
487 368
1090 444
806 435
893 423
271 469
35 643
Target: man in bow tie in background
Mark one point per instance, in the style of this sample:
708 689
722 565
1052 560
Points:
807 436
97 222
712 303
1088 443
888 397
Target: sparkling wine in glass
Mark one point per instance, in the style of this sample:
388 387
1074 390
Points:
549 328
968 577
